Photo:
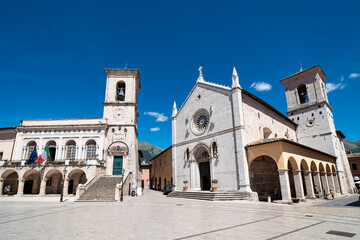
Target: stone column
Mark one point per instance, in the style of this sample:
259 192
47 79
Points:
66 187
43 187
299 188
331 181
309 185
285 185
325 182
336 181
20 191
1 186
317 182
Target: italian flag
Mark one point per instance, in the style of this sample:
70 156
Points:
44 155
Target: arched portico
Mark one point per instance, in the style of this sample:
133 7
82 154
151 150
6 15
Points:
32 182
53 182
9 180
264 178
74 178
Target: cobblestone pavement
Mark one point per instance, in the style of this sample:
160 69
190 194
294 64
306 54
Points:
154 216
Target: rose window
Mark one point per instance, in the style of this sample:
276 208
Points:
201 121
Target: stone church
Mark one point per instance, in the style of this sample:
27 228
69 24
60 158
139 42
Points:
249 147
84 153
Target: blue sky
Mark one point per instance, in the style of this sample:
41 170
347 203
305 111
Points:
53 67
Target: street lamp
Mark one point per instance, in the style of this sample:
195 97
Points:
122 186
62 188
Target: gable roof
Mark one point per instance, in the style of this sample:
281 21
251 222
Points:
317 67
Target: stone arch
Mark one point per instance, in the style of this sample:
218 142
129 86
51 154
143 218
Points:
327 168
292 166
304 165
11 182
32 180
267 132
293 163
321 168
53 181
333 168
313 166
74 178
264 177
118 147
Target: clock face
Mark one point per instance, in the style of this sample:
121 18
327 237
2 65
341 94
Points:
118 114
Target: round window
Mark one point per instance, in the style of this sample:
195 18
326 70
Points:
201 121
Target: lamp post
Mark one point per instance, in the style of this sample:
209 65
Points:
62 187
122 186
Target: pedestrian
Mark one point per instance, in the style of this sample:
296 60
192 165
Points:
332 194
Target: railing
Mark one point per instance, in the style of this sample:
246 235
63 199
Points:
84 187
62 162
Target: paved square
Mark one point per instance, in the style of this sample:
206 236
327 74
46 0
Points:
155 216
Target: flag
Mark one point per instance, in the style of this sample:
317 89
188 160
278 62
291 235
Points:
44 155
33 156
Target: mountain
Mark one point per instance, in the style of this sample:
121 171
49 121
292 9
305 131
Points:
149 151
354 147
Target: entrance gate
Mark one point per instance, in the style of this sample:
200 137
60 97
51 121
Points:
205 178
118 165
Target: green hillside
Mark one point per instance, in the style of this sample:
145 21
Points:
149 151
354 147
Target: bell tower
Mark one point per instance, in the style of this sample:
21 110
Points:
308 106
121 113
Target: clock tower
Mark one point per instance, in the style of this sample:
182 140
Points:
121 113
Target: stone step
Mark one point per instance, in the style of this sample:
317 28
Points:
102 190
209 196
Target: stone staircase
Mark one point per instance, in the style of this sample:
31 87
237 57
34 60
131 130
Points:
103 190
210 196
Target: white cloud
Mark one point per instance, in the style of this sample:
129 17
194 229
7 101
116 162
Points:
160 117
332 86
155 129
261 86
341 78
354 75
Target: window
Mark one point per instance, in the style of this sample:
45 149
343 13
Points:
214 149
187 154
70 150
303 96
29 148
1 155
52 150
354 166
120 91
91 149
267 132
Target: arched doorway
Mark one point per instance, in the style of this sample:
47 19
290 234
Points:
11 181
53 182
203 159
31 182
75 177
52 150
264 178
291 168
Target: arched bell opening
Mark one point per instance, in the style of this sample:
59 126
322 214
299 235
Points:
264 178
11 181
120 91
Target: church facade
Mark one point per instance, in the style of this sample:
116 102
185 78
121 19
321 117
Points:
80 150
228 136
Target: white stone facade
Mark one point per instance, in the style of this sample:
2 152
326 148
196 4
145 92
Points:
235 119
79 148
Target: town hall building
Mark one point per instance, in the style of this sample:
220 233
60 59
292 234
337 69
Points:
231 136
84 154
